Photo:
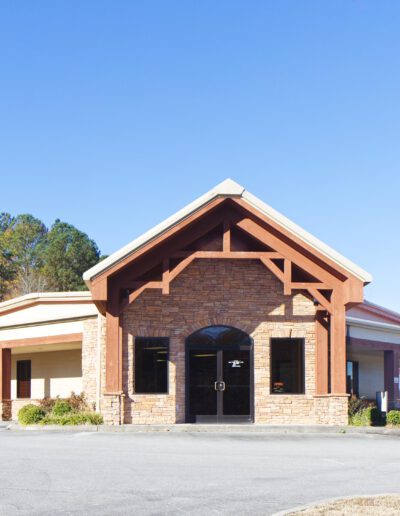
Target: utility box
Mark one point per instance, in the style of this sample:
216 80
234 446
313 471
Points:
382 401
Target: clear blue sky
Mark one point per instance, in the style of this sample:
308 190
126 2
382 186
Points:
113 115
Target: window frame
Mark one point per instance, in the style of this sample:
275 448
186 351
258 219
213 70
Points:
155 340
302 343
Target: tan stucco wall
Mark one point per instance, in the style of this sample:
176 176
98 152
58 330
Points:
55 373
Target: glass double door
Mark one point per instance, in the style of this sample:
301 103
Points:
220 384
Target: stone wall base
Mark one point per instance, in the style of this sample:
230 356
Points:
276 410
112 408
5 410
331 410
279 410
303 410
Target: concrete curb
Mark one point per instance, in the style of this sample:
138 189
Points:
198 428
316 504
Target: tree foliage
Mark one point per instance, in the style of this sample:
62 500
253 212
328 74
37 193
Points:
33 258
68 254
6 270
24 242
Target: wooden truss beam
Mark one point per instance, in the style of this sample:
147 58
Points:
226 238
285 250
271 266
165 276
320 298
234 255
266 259
287 277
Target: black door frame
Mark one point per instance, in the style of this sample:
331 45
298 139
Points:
219 348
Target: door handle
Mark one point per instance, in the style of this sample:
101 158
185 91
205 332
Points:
219 386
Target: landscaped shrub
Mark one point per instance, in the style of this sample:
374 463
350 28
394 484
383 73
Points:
61 407
393 417
369 416
73 418
78 402
30 415
71 411
47 403
357 404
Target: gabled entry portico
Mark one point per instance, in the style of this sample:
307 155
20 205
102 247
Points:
251 269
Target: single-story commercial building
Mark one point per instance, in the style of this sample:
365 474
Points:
225 312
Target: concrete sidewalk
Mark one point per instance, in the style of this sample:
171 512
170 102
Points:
199 428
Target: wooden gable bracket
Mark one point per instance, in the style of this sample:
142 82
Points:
278 257
188 257
226 237
266 258
292 256
323 302
287 277
165 276
284 253
279 251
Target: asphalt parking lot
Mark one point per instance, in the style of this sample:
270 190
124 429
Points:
188 473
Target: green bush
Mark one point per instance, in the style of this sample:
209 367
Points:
30 415
73 418
393 417
369 416
357 404
61 407
47 404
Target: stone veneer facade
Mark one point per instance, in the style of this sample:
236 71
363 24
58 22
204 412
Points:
238 293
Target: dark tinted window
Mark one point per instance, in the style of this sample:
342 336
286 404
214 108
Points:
151 365
352 377
23 379
287 366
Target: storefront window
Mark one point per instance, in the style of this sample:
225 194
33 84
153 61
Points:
151 365
287 366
